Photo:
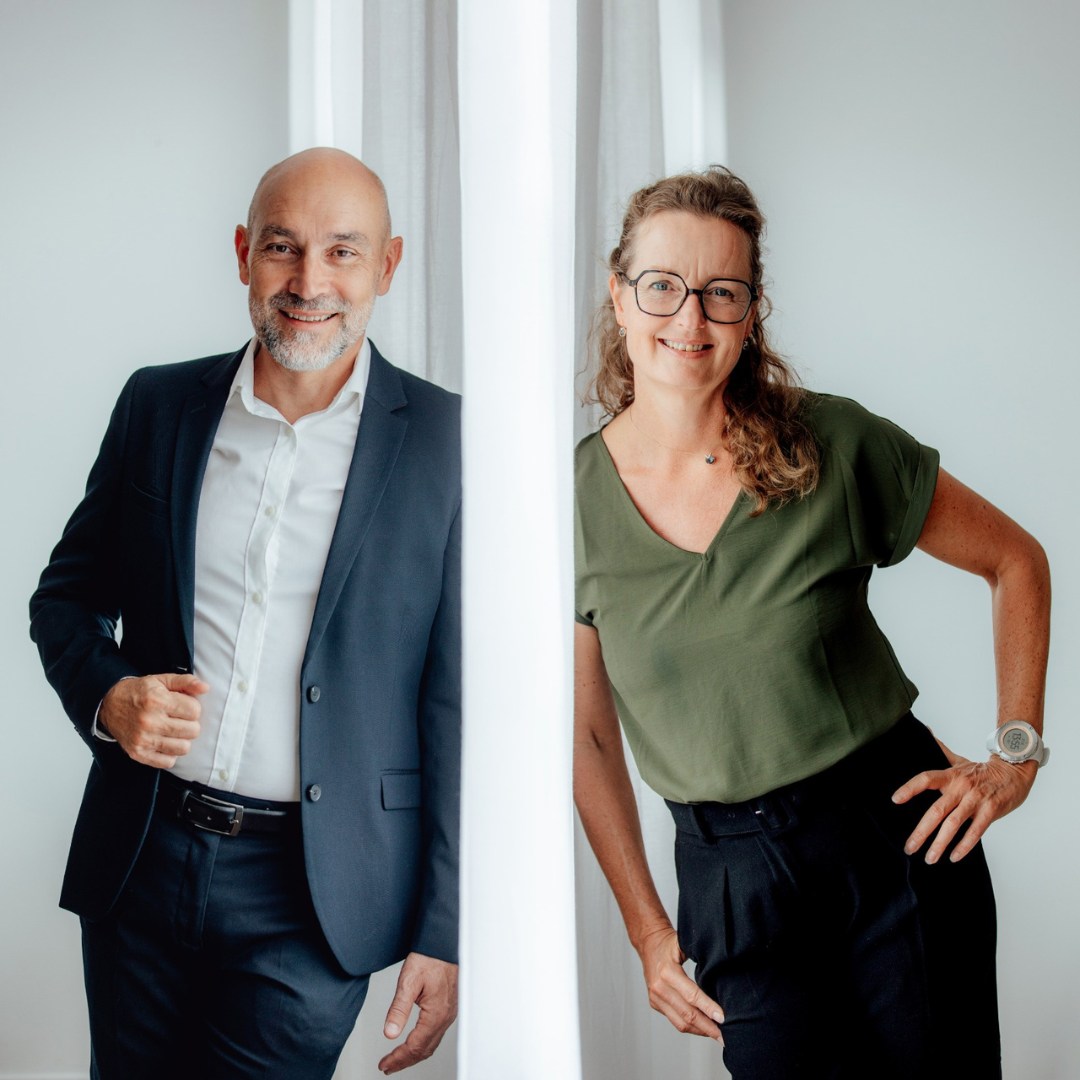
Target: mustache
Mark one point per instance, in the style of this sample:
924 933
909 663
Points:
316 303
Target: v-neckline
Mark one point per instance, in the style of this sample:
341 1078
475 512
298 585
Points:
640 517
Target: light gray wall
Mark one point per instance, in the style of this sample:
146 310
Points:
132 136
918 163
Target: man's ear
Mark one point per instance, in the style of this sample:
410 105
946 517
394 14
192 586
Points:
391 261
243 249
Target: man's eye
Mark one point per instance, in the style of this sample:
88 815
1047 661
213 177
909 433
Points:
344 253
278 249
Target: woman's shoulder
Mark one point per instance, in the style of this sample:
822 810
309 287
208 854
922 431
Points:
587 445
589 455
839 422
833 410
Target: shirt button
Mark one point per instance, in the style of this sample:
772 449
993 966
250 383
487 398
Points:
257 598
270 511
314 793
313 694
223 774
242 686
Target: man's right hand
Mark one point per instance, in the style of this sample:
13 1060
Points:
154 718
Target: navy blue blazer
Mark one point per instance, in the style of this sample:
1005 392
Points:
380 714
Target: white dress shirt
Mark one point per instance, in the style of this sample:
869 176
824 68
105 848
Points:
269 504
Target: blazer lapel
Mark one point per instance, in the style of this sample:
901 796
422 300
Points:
378 441
199 418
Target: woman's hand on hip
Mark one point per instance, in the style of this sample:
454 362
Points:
973 792
672 992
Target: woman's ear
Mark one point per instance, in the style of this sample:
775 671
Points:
615 288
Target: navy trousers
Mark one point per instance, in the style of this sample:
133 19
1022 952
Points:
835 955
213 965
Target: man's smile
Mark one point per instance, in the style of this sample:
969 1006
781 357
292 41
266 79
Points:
297 317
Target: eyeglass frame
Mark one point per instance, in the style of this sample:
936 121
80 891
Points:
699 293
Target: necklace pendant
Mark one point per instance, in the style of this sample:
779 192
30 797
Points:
710 458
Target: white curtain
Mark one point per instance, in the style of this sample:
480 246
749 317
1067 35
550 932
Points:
509 137
378 78
650 102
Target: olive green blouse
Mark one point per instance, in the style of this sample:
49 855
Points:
757 662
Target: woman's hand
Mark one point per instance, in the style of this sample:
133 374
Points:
672 992
976 792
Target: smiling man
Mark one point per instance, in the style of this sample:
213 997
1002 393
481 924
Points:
272 809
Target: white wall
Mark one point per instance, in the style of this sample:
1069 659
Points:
918 163
132 136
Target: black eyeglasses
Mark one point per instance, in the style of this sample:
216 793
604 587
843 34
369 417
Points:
663 293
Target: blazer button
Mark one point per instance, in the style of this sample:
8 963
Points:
313 694
314 793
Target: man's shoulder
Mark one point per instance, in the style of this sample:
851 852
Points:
388 382
417 387
186 372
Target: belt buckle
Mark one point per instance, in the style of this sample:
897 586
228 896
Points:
207 826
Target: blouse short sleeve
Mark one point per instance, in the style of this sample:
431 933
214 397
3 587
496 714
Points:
888 477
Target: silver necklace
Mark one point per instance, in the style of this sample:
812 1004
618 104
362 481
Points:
710 457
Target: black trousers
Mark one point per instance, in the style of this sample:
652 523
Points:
833 953
213 966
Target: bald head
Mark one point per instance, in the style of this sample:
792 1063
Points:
328 168
315 253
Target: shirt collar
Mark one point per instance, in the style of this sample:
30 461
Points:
351 393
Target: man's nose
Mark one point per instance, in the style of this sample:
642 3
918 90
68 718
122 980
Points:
308 278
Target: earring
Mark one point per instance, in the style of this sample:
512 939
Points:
746 343
622 332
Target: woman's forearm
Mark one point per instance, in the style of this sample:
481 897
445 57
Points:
966 531
605 796
1021 616
608 810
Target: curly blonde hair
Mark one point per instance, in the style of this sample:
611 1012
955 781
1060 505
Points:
776 457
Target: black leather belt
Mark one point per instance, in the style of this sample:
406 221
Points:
215 814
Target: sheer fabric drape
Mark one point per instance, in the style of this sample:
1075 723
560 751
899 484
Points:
650 102
509 138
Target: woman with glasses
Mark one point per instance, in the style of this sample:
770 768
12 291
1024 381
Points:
833 893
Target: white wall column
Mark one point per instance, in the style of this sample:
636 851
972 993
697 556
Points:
518 1006
311 72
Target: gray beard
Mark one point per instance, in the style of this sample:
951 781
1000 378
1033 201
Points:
290 349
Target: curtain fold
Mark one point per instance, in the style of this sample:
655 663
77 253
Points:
410 138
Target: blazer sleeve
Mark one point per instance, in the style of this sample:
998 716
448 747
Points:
440 748
76 607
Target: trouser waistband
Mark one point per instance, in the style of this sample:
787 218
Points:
869 770
223 812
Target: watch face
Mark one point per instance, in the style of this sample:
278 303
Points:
1015 741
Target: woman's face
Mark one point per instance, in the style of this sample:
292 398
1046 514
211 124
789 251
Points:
685 350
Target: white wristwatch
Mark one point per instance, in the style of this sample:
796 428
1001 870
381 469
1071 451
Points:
1017 741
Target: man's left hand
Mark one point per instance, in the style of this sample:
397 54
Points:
431 985
975 792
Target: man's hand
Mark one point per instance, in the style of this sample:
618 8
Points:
672 992
975 792
154 718
431 985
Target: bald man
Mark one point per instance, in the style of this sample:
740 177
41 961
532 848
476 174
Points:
272 808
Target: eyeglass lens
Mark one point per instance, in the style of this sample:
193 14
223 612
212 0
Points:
660 293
